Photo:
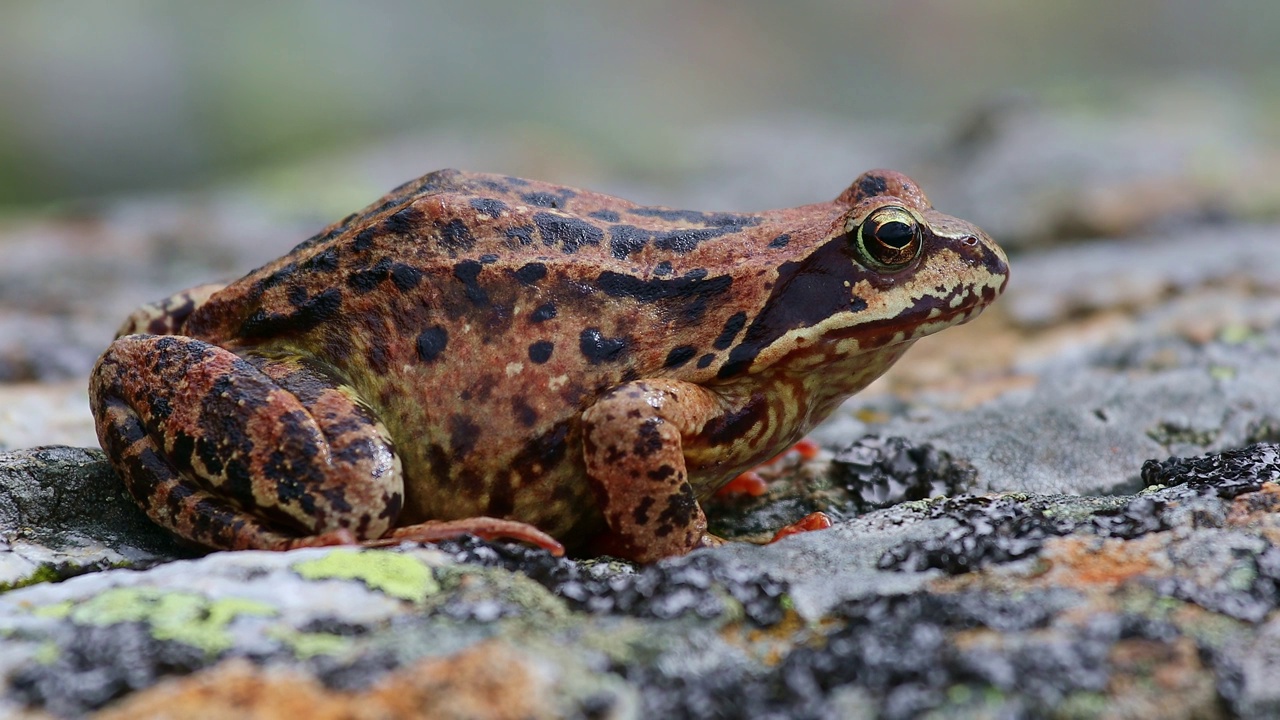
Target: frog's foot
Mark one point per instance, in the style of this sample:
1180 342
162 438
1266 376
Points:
752 484
808 523
486 528
240 453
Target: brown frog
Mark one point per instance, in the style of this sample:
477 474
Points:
479 353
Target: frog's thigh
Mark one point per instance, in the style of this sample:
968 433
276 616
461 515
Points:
636 466
232 455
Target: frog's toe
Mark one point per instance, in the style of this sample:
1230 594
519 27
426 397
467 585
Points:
486 528
813 521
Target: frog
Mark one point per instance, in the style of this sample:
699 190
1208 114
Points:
515 359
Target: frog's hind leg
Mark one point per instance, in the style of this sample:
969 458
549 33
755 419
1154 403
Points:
237 453
167 316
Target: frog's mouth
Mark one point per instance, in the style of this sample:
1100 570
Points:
924 318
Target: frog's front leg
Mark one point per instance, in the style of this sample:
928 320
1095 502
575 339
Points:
633 445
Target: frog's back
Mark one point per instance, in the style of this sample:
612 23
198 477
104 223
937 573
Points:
513 264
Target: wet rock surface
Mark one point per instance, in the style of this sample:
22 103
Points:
1069 508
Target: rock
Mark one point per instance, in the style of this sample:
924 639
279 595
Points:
63 512
1136 602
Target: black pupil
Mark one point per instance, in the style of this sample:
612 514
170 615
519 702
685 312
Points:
895 234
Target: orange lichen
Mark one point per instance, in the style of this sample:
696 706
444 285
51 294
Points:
490 680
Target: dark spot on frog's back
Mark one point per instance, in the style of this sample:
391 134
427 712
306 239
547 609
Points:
542 199
605 215
468 271
366 280
626 239
531 273
692 285
490 207
597 348
463 434
405 277
716 220
685 241
309 315
323 262
525 414
522 234
364 240
567 232
680 355
432 342
543 313
732 327
540 351
403 222
456 236
780 242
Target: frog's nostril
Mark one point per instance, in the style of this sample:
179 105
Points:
969 240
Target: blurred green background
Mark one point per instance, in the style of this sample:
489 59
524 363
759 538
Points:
103 98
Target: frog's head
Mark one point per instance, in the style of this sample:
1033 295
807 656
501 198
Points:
889 271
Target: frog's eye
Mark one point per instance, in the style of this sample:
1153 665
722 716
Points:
889 238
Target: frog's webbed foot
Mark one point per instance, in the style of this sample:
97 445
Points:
486 528
238 453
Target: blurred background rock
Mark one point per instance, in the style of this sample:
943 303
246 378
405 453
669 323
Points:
148 146
131 96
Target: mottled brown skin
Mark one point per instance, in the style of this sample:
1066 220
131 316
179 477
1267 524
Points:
478 353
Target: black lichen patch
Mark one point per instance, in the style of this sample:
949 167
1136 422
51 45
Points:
990 530
1000 529
98 664
880 472
903 653
1249 590
694 586
1226 474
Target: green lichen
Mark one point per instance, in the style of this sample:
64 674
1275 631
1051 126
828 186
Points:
309 645
391 573
47 654
42 574
184 617
1222 372
1237 334
56 611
